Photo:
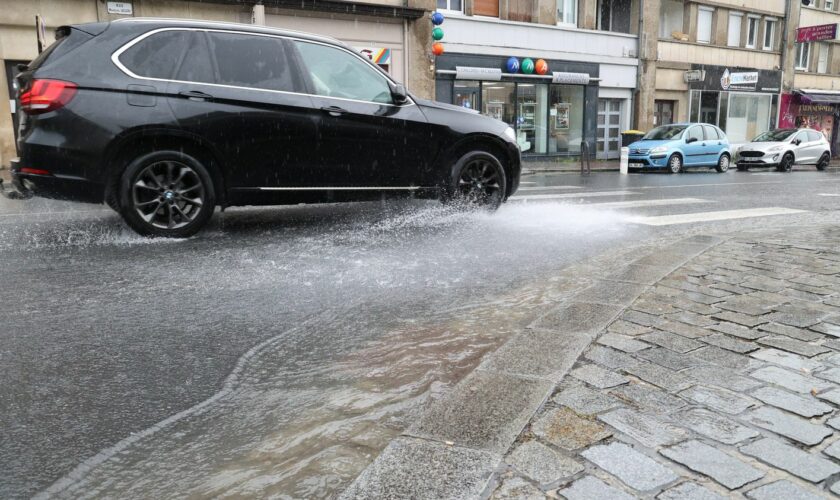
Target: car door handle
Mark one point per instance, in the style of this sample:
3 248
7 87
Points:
195 95
333 110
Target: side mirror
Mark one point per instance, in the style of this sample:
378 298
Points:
690 140
797 142
398 93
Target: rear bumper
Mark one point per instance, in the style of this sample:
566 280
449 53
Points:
58 187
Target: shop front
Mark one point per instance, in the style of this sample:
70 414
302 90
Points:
552 113
816 109
743 102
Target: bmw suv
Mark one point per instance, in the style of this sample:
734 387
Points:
164 120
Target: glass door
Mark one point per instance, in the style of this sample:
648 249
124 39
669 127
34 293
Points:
608 142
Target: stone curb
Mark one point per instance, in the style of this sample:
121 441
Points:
456 446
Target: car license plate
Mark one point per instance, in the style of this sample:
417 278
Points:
636 165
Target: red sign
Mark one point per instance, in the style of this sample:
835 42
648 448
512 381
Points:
816 33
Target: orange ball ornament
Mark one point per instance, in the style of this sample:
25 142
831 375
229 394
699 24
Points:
437 48
541 67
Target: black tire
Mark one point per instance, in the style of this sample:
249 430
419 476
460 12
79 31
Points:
675 165
823 163
478 180
786 165
723 163
166 193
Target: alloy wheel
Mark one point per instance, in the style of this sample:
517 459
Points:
168 194
480 183
675 164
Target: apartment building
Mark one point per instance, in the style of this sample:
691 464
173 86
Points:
813 99
590 48
395 33
716 62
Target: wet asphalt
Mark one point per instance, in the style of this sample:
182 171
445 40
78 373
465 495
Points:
278 351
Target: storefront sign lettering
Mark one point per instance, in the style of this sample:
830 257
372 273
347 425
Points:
816 33
739 81
816 109
473 73
570 78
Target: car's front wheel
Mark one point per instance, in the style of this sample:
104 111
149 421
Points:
166 193
675 164
723 163
786 164
823 163
478 179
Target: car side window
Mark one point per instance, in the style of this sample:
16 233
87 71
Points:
695 132
197 66
336 73
711 133
814 136
802 137
156 56
252 61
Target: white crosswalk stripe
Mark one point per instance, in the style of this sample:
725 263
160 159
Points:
545 188
648 203
560 196
828 194
667 220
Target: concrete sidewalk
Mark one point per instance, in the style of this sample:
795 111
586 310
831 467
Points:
714 372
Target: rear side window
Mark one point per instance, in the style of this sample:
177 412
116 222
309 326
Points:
253 61
814 136
696 133
156 56
711 133
197 65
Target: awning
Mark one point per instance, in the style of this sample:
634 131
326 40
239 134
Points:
809 97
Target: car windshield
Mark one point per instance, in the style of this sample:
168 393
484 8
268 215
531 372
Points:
776 135
664 132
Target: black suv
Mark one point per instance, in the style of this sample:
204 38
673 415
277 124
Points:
163 120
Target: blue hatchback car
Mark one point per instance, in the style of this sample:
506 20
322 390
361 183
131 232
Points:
682 145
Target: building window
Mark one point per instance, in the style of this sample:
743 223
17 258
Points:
671 18
567 12
704 25
822 58
752 31
733 37
663 113
489 8
829 5
769 33
614 15
803 52
450 5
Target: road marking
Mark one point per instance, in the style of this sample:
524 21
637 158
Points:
728 184
546 188
667 220
590 194
648 203
828 194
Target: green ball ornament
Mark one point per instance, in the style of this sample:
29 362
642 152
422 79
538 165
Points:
437 33
527 66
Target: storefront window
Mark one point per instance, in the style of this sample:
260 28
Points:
749 115
532 100
565 127
497 100
694 106
466 94
709 107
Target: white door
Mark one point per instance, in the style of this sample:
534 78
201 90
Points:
608 143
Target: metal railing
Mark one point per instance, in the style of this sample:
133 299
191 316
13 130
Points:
585 165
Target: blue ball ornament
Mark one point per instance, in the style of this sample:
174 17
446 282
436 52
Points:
437 18
512 65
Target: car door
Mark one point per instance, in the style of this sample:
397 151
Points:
365 139
714 144
695 146
800 147
816 146
239 92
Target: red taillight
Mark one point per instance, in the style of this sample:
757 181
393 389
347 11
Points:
46 95
34 171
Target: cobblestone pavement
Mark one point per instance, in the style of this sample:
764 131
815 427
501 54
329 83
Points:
721 380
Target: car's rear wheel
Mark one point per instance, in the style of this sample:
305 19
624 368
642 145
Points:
166 193
478 180
786 164
675 164
723 163
823 163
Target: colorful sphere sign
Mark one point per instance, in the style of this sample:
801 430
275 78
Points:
437 48
527 66
512 65
437 18
541 67
437 33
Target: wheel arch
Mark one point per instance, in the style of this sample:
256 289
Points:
136 142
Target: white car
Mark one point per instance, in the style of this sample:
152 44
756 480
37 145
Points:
785 147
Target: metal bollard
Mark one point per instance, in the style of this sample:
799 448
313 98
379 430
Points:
624 163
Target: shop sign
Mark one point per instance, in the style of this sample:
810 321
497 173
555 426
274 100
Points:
474 73
694 75
570 78
816 33
816 109
121 8
722 78
738 81
377 55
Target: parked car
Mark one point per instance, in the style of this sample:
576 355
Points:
681 145
785 147
166 119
